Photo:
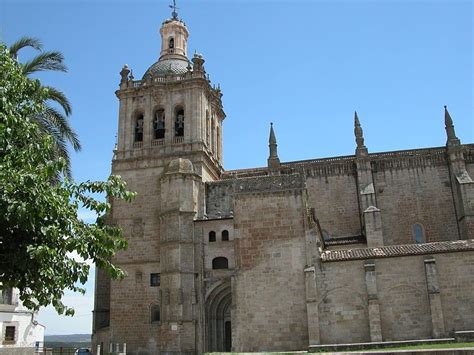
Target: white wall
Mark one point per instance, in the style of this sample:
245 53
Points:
27 330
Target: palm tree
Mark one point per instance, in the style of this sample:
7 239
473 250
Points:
51 121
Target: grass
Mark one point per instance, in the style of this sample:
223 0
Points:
406 347
423 347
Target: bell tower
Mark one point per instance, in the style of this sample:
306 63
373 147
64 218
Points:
174 38
169 143
174 110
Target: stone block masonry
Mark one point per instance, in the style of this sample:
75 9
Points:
270 309
360 248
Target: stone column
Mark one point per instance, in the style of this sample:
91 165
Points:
121 136
463 191
432 284
463 185
312 309
179 190
373 302
190 118
214 134
370 214
122 124
365 183
221 155
466 189
373 227
168 105
312 245
147 121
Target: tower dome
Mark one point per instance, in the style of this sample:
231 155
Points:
173 55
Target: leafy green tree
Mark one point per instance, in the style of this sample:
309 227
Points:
50 120
39 226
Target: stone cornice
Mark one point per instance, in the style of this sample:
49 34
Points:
401 159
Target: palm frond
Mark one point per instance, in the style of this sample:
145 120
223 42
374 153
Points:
62 151
59 97
60 144
45 61
25 42
60 122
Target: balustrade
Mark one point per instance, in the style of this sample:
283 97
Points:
156 142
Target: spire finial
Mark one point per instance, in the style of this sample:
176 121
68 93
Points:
272 142
174 14
448 122
359 135
273 160
358 132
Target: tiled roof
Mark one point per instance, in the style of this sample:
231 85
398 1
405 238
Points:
398 250
167 66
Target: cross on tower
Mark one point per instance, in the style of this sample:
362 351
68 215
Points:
174 14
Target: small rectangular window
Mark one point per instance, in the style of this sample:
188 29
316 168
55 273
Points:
9 333
155 280
6 296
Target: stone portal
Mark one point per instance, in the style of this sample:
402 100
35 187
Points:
218 319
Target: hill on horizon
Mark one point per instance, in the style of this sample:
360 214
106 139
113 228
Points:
68 338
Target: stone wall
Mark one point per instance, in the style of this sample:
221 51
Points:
219 248
131 298
130 304
470 170
403 297
101 337
139 219
456 282
413 303
409 194
101 299
342 303
219 199
269 311
335 200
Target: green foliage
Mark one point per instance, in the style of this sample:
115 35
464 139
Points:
50 121
40 232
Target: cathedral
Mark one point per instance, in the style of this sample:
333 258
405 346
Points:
370 247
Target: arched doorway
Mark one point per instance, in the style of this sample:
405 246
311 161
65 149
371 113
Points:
219 318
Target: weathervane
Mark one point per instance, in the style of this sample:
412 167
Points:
174 14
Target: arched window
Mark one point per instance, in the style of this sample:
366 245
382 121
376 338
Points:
212 236
159 124
155 315
220 263
179 123
225 235
139 128
171 43
419 233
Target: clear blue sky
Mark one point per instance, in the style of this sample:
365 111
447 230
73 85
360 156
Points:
305 65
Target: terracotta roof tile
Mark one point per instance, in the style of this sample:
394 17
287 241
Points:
398 250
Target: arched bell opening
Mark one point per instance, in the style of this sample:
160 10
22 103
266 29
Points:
219 319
